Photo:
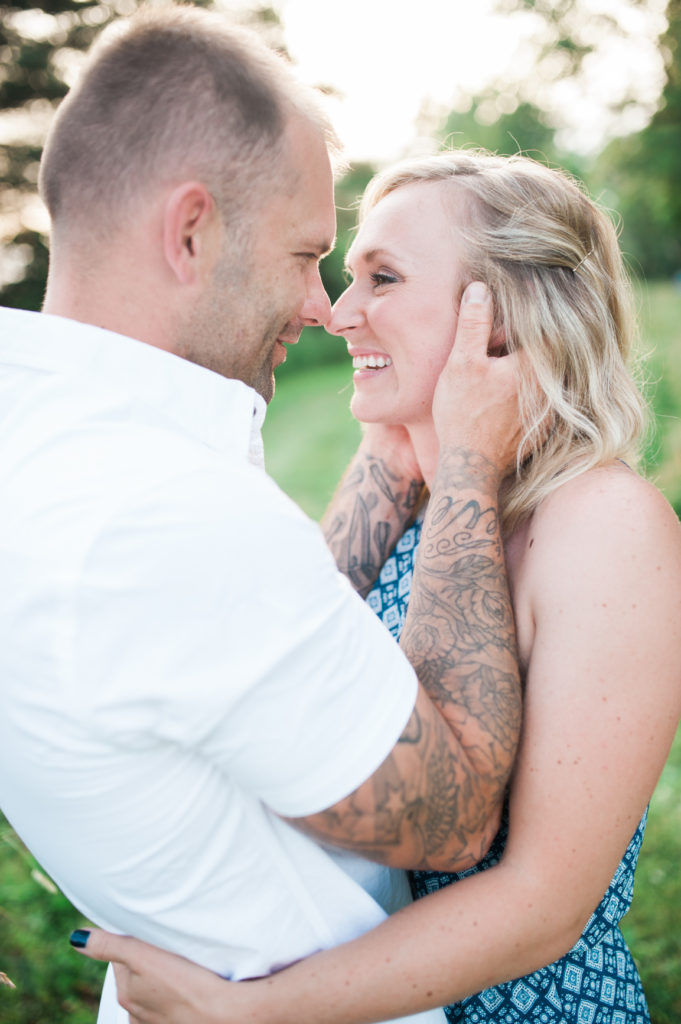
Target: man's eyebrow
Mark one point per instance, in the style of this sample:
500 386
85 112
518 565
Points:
321 248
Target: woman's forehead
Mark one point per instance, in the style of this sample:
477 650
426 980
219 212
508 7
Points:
409 222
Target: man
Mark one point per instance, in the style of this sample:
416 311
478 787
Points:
188 683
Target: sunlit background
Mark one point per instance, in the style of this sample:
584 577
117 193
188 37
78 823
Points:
591 85
558 78
399 68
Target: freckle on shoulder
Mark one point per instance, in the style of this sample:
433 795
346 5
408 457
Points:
606 492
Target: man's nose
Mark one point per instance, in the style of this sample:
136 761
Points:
317 308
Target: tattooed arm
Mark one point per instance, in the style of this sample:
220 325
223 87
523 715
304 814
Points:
435 801
374 502
460 634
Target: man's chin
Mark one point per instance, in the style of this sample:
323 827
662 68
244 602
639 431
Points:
265 387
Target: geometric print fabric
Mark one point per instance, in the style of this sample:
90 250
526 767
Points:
597 981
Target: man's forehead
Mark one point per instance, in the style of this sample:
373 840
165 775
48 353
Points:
313 187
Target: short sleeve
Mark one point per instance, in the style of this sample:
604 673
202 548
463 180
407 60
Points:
212 615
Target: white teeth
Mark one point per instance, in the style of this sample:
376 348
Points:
370 362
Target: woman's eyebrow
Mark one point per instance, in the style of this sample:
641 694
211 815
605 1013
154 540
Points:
368 256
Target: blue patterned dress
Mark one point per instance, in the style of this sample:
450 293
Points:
597 981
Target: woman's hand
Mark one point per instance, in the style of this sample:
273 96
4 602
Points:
157 987
476 404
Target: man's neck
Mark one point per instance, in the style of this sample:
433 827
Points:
101 304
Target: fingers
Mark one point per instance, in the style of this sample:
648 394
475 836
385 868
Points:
100 945
476 316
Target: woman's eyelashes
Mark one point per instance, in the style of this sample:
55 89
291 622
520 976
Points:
383 277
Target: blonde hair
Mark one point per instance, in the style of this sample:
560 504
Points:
174 92
551 259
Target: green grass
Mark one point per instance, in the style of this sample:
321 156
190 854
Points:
310 435
53 984
660 313
309 438
652 927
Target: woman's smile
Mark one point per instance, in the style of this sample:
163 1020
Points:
399 314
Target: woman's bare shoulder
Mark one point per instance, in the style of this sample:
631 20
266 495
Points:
596 522
612 497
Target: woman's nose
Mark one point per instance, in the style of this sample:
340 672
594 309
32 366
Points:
345 313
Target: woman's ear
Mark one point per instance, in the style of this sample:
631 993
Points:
497 342
190 232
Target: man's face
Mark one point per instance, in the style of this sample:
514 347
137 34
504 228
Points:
260 299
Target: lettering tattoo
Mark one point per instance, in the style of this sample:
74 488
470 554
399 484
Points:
366 518
435 800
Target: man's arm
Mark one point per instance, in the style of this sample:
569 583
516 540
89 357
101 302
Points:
435 800
374 502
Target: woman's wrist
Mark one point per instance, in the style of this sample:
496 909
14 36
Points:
392 448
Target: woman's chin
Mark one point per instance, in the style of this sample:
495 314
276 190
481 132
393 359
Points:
369 412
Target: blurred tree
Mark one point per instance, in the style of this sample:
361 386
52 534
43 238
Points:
33 79
641 174
638 173
586 55
41 48
521 128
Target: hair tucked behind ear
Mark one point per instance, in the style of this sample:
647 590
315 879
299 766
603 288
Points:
551 259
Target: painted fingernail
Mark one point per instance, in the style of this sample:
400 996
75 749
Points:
79 938
475 292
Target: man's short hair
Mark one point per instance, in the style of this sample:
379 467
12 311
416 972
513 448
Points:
171 94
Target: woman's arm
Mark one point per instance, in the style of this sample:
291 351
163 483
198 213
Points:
375 499
603 701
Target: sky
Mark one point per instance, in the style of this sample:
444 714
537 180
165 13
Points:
390 59
393 63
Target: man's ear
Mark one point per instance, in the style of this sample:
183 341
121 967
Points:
191 227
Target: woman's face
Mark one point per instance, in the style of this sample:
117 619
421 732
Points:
399 315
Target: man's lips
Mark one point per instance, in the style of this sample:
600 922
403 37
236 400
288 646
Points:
280 348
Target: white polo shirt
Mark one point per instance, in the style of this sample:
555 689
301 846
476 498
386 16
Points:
180 661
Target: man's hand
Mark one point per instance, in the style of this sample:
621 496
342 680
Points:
476 405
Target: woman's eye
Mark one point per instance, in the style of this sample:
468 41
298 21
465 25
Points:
379 277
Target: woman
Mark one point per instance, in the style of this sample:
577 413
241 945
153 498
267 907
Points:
594 562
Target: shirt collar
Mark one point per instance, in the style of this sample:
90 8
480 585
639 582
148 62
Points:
223 413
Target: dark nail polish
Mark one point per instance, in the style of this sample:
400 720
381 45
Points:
79 938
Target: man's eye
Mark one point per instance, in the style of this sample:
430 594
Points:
379 277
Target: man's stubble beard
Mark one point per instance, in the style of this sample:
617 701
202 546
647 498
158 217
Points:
229 331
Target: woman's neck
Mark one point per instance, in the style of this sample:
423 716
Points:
426 448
